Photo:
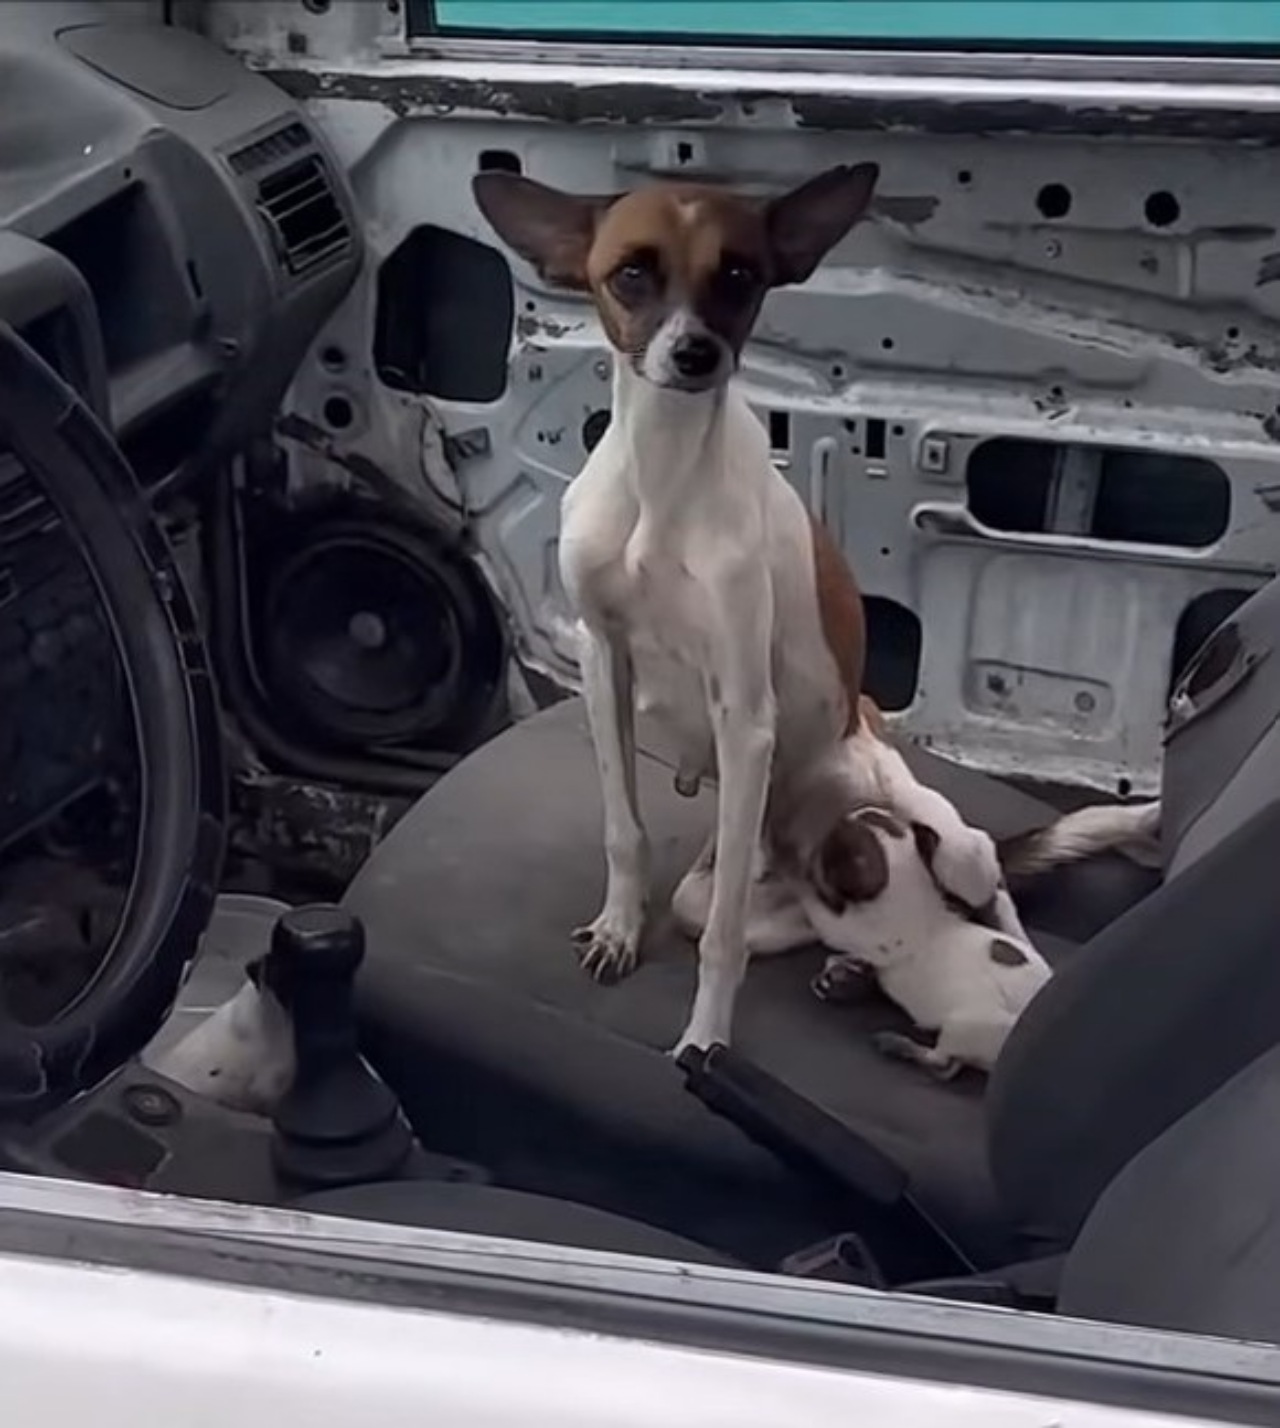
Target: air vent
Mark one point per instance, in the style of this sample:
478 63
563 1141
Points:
303 213
25 510
270 148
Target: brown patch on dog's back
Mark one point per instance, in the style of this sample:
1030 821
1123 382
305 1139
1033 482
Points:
1005 953
844 622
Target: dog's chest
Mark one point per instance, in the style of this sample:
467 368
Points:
642 585
657 601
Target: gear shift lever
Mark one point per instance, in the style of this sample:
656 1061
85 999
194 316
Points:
340 1124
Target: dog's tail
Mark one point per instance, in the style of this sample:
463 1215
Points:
1129 828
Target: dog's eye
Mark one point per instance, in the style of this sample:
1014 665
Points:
738 279
636 279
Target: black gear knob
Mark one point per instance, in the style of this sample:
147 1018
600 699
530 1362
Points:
329 938
339 1124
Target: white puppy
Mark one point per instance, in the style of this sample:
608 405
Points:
866 890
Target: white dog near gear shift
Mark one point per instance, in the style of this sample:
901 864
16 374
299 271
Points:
706 592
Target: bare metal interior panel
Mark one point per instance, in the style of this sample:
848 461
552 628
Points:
1034 396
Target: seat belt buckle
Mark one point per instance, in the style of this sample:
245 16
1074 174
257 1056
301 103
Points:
842 1259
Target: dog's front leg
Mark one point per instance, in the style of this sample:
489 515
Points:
743 719
610 946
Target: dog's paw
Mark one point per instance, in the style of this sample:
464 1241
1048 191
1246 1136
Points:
696 1038
899 1047
845 980
609 947
710 1024
967 866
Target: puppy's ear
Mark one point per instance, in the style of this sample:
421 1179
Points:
551 230
805 224
850 865
927 842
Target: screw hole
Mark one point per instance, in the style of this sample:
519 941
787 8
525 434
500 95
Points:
333 359
1054 200
1124 787
1232 333
887 343
317 7
899 431
1162 209
884 550
837 372
964 178
338 413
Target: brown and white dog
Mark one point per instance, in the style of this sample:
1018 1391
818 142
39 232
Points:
706 592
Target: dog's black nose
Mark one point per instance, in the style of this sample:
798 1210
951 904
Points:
696 356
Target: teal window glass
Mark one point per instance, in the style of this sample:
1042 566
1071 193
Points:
1166 24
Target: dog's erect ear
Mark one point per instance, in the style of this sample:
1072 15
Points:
552 230
850 865
805 224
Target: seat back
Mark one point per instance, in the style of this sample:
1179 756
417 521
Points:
1222 742
1138 1027
1187 1237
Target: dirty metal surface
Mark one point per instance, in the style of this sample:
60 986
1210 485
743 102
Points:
1083 256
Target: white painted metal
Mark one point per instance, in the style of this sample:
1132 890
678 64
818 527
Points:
79 1345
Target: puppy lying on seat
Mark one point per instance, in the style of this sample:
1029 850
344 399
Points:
915 901
876 905
866 891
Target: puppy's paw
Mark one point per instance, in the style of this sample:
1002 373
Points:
899 1047
844 980
967 866
609 947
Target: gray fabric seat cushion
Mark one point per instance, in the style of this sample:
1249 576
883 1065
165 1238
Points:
1187 1236
478 888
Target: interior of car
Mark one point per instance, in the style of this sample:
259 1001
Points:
172 243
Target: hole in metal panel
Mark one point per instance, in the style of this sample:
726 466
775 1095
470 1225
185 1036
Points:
894 639
1054 200
338 413
444 316
1162 209
875 444
1139 497
500 161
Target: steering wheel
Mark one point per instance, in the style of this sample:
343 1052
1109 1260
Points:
68 452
